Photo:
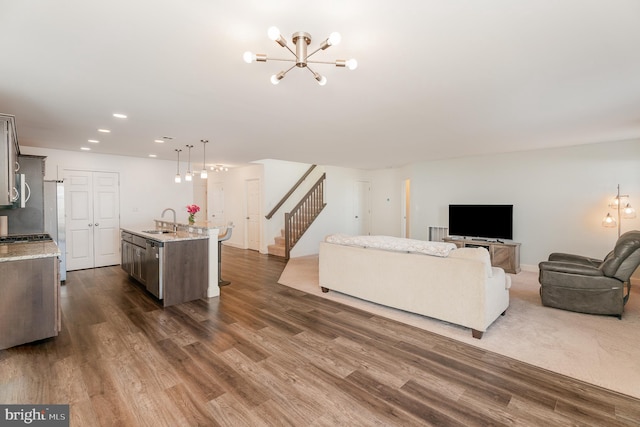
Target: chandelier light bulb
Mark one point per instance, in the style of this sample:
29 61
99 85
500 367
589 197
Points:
177 179
273 33
352 64
187 176
203 174
322 80
249 57
334 39
275 80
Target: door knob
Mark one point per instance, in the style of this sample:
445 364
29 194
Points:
356 216
96 224
247 218
90 225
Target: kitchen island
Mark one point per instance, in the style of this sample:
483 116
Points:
174 266
30 292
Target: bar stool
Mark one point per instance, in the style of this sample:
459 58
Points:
221 238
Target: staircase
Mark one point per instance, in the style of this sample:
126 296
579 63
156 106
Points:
299 219
278 248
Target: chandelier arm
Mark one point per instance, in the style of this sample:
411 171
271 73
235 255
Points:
291 68
289 49
322 62
281 59
310 70
315 51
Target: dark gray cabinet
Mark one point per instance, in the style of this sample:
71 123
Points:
9 151
30 303
133 252
174 271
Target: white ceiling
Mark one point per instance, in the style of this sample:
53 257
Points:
436 79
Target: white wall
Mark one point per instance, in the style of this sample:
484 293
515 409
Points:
337 216
146 185
559 195
235 195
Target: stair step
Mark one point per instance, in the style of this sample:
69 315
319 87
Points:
277 250
279 240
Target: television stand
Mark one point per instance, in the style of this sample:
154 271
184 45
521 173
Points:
505 255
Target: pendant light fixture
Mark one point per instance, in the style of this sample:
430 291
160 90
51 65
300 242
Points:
188 176
177 179
203 172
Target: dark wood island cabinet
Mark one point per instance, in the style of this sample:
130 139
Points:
174 267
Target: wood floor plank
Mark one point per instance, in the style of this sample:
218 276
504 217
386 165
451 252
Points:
263 354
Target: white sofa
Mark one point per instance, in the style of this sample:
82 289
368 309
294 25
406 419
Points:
460 288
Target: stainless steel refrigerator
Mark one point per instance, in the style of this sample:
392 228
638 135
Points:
54 220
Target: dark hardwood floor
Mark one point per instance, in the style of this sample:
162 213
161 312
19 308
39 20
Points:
265 354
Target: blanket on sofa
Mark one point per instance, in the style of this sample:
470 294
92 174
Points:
397 244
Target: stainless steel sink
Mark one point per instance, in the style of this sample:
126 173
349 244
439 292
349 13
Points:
157 231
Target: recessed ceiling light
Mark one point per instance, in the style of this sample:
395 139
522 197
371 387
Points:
85 148
153 155
93 141
167 138
120 115
104 130
159 141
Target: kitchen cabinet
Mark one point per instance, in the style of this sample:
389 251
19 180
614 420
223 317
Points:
9 151
134 256
174 268
30 303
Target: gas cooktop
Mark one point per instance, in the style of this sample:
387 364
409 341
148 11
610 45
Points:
25 238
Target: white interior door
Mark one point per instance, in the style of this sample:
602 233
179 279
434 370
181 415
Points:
79 219
216 205
200 197
362 208
106 219
253 214
92 211
406 209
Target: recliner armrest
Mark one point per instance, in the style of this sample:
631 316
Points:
575 259
570 268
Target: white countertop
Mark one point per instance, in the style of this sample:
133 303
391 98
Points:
180 235
28 250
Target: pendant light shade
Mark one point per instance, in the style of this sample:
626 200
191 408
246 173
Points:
203 172
188 175
178 179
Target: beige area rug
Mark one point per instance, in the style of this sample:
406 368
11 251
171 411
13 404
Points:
600 350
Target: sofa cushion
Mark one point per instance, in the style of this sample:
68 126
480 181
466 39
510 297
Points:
396 244
480 254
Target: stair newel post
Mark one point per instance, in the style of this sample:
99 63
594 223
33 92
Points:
287 234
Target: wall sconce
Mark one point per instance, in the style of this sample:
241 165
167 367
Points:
203 172
177 179
623 211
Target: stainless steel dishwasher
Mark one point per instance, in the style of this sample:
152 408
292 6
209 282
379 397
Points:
154 267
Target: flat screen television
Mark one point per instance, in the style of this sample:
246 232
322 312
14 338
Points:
481 221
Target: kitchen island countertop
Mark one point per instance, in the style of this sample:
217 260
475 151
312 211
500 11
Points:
180 235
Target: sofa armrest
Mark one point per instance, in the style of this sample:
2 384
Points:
570 268
575 259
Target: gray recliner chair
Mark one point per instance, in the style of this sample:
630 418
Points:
588 285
